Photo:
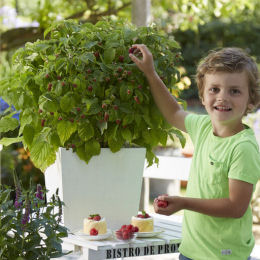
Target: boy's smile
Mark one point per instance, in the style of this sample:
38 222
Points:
226 98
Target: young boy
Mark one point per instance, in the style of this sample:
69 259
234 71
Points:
217 220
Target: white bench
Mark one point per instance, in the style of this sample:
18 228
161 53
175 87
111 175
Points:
172 168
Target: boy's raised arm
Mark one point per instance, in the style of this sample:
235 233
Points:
167 104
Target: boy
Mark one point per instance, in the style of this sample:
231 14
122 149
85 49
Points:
217 220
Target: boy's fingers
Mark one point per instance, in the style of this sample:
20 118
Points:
134 59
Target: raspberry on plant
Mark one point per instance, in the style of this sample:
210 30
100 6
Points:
63 83
90 88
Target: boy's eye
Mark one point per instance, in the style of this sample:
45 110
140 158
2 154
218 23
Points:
235 91
213 90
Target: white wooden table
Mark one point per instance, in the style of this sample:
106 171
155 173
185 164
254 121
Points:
111 248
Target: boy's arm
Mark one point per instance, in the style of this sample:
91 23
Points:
166 103
235 206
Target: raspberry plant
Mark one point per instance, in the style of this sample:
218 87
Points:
78 89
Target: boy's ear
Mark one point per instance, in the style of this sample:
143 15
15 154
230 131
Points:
250 106
202 101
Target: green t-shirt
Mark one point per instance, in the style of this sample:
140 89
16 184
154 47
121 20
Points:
215 160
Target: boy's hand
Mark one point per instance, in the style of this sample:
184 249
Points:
174 204
146 63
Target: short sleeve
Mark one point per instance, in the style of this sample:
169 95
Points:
245 163
194 124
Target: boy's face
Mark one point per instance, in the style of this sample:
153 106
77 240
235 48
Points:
226 97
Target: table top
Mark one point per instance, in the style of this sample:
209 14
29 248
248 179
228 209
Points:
166 242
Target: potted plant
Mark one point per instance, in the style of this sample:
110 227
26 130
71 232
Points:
30 228
79 90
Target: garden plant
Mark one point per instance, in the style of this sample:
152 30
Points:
78 89
30 228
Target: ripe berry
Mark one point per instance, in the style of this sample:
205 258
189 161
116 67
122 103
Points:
126 235
140 86
129 73
121 58
78 109
106 117
119 69
94 79
63 83
90 88
96 54
128 91
107 79
162 203
43 122
72 120
47 76
137 99
51 113
89 71
59 77
82 116
97 218
60 118
93 232
115 107
73 146
131 50
74 85
118 121
49 85
40 111
104 106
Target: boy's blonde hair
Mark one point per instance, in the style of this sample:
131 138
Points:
230 60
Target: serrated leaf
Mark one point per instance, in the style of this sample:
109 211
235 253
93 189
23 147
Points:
66 104
92 147
42 155
7 141
28 134
109 55
85 131
8 124
128 119
127 135
65 129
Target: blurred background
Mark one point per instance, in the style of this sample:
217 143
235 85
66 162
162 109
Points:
198 26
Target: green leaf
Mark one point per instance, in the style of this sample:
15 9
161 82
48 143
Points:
65 129
8 124
66 103
28 134
7 141
85 131
128 119
126 133
109 55
93 147
42 155
115 144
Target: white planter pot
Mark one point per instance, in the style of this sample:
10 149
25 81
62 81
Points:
110 185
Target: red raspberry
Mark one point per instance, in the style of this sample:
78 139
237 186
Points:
126 235
115 107
90 88
106 117
137 99
162 203
129 227
97 218
93 232
136 229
